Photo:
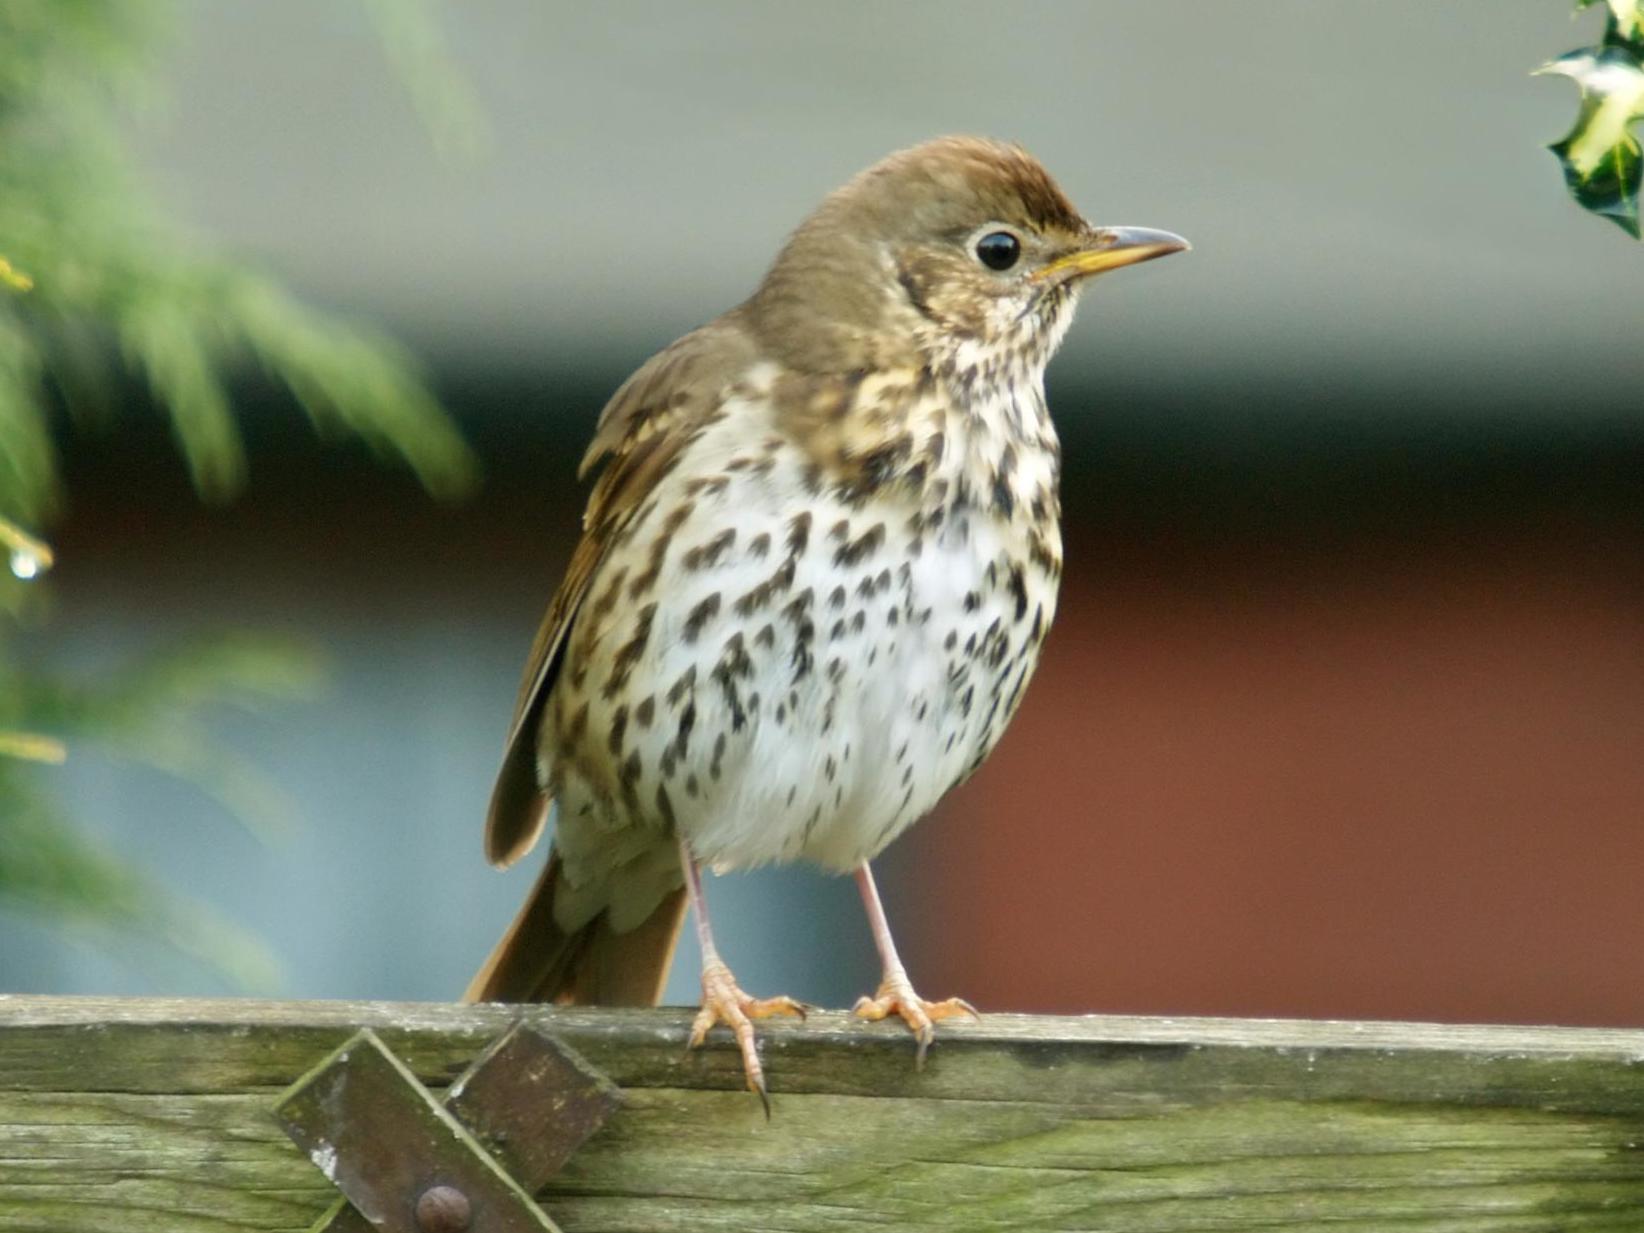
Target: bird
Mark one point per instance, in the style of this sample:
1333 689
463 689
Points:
816 569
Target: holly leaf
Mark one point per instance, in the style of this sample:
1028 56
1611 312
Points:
1603 164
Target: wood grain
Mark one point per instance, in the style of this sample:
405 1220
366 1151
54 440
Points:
144 1115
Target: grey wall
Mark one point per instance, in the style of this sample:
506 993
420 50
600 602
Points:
1365 183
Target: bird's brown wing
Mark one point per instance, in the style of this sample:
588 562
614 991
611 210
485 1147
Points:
648 422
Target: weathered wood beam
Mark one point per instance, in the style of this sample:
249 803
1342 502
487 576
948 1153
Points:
131 1116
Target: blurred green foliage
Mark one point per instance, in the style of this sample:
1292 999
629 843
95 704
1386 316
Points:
1603 165
96 285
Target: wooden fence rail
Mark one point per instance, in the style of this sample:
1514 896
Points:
131 1116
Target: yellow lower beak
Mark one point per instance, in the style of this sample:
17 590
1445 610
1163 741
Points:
1112 247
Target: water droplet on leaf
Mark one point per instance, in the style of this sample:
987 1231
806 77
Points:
24 564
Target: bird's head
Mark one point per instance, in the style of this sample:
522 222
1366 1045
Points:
958 250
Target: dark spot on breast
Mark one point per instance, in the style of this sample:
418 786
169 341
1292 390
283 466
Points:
682 742
713 485
759 545
768 590
874 469
681 688
1004 499
659 548
862 547
799 533
627 655
708 554
608 597
1039 553
700 615
619 726
1018 590
645 711
578 724
734 663
798 613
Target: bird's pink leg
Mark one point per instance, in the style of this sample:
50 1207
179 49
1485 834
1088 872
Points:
722 1001
896 993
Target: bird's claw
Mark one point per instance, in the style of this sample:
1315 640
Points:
724 1002
896 996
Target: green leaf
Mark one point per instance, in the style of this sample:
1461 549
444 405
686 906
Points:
1626 16
28 465
1600 155
78 223
163 339
348 376
91 273
13 279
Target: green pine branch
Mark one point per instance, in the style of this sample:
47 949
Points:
87 252
95 285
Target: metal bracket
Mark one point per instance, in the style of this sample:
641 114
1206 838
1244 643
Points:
408 1163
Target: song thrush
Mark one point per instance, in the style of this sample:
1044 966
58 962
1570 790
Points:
814 577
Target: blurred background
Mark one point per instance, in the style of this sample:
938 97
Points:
1344 711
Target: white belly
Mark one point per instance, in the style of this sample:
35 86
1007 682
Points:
816 685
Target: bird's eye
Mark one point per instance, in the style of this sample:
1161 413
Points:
998 250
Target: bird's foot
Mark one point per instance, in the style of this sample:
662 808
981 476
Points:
896 996
723 1002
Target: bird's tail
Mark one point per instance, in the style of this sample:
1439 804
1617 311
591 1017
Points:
537 961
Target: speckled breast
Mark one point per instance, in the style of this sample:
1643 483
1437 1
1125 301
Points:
774 671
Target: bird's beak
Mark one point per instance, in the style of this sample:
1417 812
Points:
1108 248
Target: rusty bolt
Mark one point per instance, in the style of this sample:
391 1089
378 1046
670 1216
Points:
443 1209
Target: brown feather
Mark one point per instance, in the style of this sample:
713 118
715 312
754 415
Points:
648 421
537 961
519 806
